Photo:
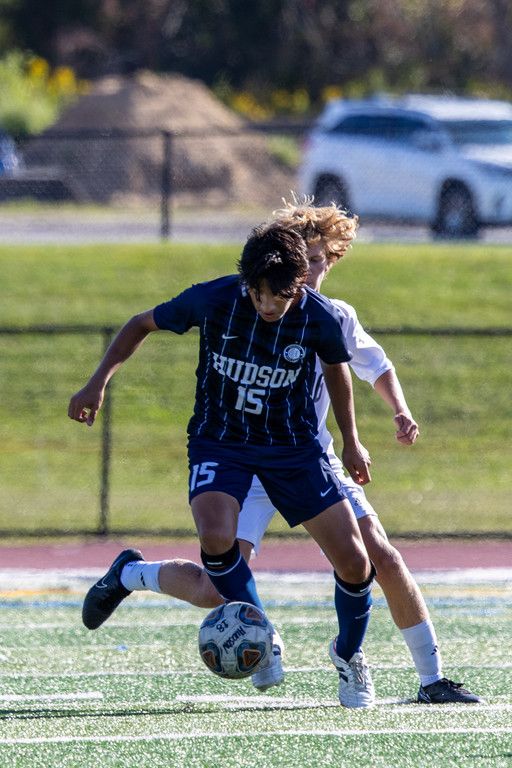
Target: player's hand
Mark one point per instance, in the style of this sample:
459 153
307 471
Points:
407 429
356 461
85 404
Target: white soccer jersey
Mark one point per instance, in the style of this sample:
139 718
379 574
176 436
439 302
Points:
369 362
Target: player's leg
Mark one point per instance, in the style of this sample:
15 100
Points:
304 488
215 514
403 595
410 614
179 578
404 599
336 532
219 481
187 580
182 579
215 493
255 516
216 517
229 571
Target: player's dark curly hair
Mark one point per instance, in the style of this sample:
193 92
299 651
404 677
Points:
276 254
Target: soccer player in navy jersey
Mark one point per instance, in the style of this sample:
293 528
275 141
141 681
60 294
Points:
260 335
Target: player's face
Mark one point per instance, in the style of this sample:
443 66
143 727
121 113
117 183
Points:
270 306
318 265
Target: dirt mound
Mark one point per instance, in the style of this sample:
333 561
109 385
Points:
233 167
146 101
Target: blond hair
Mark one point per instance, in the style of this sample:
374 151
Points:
334 227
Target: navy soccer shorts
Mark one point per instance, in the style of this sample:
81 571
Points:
300 482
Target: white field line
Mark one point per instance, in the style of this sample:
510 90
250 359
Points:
180 736
464 576
408 707
188 622
255 702
199 673
260 702
14 578
115 624
21 698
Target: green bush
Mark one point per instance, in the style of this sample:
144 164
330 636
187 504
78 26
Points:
32 95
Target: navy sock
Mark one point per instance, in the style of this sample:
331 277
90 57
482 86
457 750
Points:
231 576
353 604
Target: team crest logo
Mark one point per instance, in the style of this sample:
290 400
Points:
294 352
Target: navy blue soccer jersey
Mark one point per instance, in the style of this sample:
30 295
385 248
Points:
254 378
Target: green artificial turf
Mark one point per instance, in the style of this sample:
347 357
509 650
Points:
135 691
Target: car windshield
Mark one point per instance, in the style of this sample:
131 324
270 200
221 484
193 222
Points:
490 132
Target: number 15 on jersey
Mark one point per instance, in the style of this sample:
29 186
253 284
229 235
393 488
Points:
250 400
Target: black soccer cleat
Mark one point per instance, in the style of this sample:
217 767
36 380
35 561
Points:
445 691
103 597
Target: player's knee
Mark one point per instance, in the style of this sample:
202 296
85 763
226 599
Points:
216 532
387 559
216 541
356 567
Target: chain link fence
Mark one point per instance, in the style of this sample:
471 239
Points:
125 185
128 474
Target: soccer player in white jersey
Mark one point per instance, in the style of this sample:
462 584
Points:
328 232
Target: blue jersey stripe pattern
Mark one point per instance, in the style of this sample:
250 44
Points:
254 378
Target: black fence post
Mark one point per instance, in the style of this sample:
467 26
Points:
165 214
106 447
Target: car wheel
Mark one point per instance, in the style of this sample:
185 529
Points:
330 189
456 215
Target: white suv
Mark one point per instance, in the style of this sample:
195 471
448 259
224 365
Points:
443 161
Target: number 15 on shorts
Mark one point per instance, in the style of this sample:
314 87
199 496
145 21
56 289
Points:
202 474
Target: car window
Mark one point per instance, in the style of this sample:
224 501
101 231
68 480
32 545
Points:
480 131
391 127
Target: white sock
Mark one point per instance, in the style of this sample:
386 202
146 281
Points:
422 643
139 575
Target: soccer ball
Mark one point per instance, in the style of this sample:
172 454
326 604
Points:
235 639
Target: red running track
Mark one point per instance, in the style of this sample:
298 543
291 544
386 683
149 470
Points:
276 555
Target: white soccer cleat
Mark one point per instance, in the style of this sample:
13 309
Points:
356 686
272 672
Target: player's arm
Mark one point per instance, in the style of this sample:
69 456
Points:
390 390
355 457
370 363
85 404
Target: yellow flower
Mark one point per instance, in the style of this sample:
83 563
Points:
331 92
38 69
64 80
